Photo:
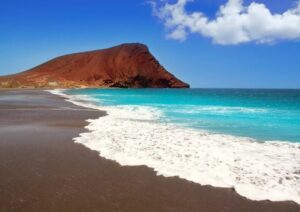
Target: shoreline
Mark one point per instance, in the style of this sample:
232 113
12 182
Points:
45 170
162 149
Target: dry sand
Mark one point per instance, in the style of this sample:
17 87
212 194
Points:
41 169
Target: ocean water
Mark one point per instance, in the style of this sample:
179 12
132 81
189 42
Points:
245 139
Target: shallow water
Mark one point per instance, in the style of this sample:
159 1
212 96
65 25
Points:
259 114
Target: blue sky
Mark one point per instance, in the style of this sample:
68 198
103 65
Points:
34 31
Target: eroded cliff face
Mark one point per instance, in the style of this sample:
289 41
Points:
125 66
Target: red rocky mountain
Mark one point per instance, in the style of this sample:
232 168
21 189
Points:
126 66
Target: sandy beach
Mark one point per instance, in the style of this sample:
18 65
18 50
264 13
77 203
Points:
42 169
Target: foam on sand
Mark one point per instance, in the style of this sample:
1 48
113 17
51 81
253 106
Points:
134 135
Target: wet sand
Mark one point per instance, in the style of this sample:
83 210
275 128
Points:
41 169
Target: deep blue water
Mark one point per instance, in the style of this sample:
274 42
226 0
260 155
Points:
260 114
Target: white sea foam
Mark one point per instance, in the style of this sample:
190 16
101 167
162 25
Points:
80 100
133 135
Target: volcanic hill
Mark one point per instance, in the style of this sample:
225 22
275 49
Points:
125 66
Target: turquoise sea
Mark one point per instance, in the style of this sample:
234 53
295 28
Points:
244 139
259 114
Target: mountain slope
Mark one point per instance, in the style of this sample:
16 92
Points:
126 65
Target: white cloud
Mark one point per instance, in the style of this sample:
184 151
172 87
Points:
234 22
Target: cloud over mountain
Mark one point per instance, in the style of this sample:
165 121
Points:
234 22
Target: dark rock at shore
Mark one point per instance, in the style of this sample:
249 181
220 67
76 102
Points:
124 66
